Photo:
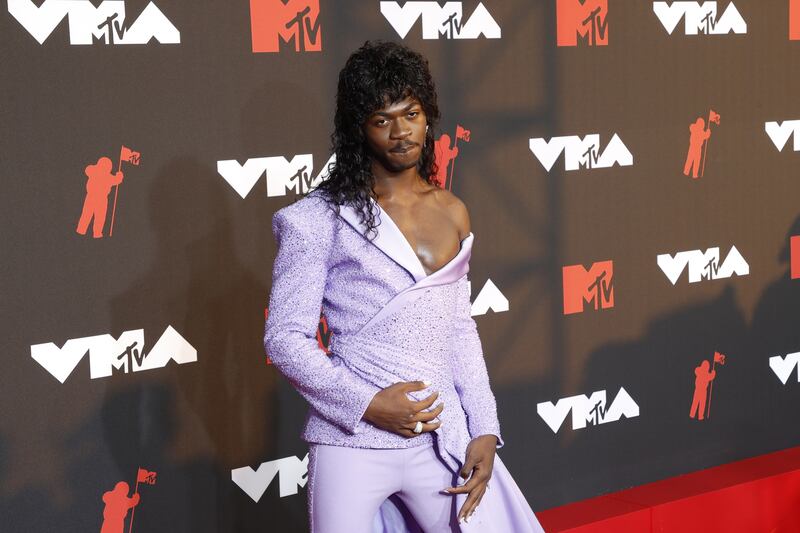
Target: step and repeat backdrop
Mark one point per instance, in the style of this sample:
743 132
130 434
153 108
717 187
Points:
631 170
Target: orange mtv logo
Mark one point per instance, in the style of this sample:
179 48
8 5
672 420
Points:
292 22
582 20
595 286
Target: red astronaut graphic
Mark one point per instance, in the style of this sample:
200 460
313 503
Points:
703 386
117 505
444 155
698 145
98 186
95 204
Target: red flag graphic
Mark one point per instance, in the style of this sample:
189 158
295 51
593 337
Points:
129 156
145 476
462 132
713 116
719 358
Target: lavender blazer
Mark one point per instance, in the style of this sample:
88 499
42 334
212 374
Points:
390 322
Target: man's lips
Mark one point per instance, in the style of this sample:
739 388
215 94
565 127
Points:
403 148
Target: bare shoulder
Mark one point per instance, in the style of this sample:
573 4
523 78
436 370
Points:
456 209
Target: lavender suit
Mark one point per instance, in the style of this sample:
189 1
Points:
390 322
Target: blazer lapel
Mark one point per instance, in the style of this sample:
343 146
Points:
390 240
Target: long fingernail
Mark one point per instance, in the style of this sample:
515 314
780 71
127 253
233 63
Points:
427 383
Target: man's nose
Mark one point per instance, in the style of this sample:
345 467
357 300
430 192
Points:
400 129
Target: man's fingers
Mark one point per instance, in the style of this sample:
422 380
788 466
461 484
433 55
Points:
466 487
468 467
471 503
427 416
424 404
415 385
425 428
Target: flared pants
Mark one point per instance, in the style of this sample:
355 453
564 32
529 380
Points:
348 486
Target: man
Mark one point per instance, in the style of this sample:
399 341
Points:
364 244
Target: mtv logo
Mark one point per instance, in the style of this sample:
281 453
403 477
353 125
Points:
439 20
779 133
292 471
794 256
595 286
794 20
291 22
581 153
87 23
703 265
699 18
282 175
106 353
587 410
488 298
582 21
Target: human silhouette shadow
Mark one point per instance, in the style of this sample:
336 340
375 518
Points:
775 332
657 371
27 508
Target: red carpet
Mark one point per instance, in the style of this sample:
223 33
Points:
761 494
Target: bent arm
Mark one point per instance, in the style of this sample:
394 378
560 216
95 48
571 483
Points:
469 371
298 282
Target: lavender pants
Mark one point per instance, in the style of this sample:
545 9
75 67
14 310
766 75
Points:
347 486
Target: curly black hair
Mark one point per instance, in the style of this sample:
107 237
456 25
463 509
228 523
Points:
377 71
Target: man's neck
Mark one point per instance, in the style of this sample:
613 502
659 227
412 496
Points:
395 185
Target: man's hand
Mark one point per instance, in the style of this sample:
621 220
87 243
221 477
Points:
390 409
479 462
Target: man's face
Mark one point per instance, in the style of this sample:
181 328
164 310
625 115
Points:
395 134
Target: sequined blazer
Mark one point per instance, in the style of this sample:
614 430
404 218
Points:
390 322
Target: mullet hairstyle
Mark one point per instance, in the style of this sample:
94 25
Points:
376 72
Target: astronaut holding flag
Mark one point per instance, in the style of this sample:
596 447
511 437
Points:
98 186
698 145
117 503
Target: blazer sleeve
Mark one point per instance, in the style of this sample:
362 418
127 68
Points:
469 371
298 283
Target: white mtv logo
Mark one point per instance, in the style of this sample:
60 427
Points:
780 133
703 265
107 353
591 410
282 175
490 297
88 23
581 153
699 18
783 366
292 475
440 20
